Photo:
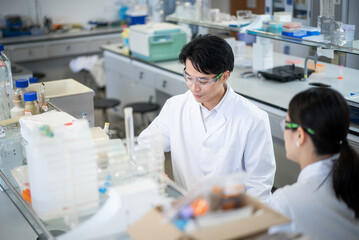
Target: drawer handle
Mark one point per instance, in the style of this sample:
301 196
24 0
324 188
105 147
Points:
141 75
68 48
30 52
164 83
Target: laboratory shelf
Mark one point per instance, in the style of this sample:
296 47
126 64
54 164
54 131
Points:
208 24
354 49
306 42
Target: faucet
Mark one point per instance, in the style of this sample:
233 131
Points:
314 58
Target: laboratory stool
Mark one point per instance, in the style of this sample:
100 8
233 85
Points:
143 108
104 104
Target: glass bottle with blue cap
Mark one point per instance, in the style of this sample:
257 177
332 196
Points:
31 106
21 88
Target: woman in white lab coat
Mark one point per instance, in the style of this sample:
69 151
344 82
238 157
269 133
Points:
324 203
210 130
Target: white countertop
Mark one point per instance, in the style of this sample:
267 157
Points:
60 35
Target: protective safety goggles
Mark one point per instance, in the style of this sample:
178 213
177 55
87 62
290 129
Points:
290 125
201 81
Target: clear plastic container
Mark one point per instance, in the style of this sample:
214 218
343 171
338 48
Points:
337 36
325 24
349 31
275 27
6 85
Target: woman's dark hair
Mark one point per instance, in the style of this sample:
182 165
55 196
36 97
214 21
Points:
326 112
209 54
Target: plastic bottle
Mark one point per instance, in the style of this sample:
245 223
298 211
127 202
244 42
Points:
18 109
340 73
8 64
126 44
21 88
6 85
84 116
106 129
31 107
232 193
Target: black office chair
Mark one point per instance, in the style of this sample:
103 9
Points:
143 108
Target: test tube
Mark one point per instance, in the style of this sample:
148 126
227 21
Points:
129 131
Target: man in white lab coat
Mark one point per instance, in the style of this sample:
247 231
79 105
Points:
211 130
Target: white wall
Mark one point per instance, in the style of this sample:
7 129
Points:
61 11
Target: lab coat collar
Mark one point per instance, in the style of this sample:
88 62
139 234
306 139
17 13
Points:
318 169
218 107
219 119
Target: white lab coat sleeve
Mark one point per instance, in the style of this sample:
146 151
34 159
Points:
159 127
280 203
259 160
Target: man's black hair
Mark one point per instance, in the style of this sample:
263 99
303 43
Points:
209 54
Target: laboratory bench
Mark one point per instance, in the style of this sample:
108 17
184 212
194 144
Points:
51 54
131 79
64 93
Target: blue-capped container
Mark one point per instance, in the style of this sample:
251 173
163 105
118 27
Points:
21 83
33 80
134 17
31 106
30 96
21 88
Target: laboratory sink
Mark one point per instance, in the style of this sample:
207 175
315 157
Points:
70 96
62 88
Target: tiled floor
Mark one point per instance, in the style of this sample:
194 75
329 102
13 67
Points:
13 226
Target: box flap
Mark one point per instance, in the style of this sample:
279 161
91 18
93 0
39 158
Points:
153 226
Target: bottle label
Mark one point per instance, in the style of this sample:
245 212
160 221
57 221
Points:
27 113
2 64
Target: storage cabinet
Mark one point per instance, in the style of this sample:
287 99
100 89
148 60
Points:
65 48
170 83
28 52
96 43
123 82
54 48
131 80
143 73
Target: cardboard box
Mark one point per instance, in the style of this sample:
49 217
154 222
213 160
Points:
153 226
